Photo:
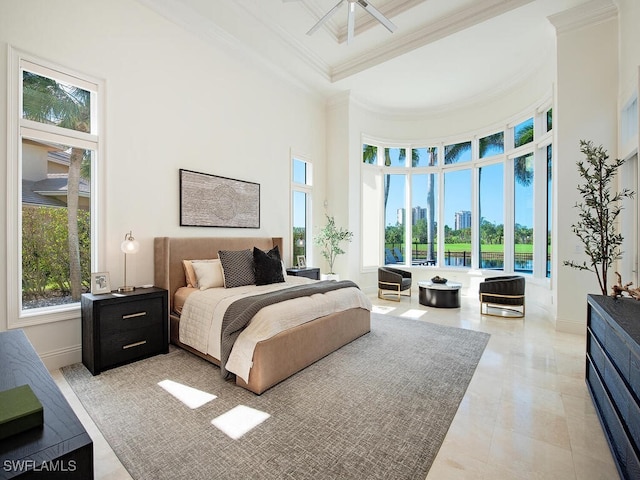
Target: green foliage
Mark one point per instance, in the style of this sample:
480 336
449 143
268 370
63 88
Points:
45 252
329 240
596 227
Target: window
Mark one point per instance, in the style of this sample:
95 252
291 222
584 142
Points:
395 218
56 149
395 157
475 209
424 205
491 216
523 213
369 154
424 157
300 207
457 218
457 153
523 133
491 145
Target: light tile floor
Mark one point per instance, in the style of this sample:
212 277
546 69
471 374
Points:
526 414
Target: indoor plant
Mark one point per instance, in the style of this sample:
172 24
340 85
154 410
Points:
329 239
596 227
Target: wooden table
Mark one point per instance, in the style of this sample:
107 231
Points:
61 448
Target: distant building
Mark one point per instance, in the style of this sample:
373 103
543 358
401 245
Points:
462 219
400 215
418 213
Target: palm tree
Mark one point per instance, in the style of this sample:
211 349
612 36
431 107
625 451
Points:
47 101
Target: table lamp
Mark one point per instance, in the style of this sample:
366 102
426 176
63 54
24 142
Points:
129 246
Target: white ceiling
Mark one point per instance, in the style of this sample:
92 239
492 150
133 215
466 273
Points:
443 52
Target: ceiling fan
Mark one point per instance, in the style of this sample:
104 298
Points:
351 4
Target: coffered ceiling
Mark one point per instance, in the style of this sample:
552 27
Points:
443 52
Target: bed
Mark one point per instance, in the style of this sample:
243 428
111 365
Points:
277 357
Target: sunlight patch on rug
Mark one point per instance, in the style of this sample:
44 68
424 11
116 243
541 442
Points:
382 309
239 420
191 397
413 313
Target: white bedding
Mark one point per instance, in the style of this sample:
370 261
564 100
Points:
203 311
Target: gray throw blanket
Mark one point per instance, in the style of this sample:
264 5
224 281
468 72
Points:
240 312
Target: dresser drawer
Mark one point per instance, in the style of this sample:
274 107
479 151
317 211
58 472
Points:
130 316
127 345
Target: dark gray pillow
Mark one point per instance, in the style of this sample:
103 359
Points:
268 266
237 267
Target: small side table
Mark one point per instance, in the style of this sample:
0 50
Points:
309 272
439 295
122 328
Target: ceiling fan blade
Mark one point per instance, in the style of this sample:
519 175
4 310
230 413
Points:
374 12
325 18
351 21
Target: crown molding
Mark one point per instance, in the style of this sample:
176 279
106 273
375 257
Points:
461 19
207 30
591 13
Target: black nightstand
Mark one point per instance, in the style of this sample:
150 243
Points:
308 272
121 328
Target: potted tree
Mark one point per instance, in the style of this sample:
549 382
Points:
596 227
329 239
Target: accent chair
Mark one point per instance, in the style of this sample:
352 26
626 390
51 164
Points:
392 282
504 292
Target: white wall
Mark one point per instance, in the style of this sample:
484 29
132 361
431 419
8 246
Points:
172 101
629 54
586 102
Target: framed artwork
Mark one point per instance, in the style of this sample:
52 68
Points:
100 283
212 201
302 261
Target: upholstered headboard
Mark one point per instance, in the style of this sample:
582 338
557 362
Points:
170 251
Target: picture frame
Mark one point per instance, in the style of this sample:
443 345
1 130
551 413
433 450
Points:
302 261
100 283
212 201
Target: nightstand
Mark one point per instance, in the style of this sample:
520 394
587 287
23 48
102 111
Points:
119 328
309 272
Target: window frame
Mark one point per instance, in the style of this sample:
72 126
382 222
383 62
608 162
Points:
307 189
538 148
19 128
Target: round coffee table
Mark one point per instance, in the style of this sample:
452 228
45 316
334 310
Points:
439 295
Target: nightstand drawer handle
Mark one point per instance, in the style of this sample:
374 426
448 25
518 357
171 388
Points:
137 344
134 315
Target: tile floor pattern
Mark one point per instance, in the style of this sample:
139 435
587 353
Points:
526 414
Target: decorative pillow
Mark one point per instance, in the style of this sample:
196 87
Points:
190 275
208 273
268 266
237 267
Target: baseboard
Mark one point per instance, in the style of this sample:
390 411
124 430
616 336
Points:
55 359
571 327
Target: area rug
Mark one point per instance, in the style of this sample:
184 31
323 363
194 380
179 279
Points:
378 408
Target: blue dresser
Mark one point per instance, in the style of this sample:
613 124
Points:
613 376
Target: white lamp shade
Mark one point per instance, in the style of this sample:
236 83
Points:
130 245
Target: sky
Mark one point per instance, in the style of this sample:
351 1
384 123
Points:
457 195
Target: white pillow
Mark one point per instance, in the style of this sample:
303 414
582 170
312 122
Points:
208 273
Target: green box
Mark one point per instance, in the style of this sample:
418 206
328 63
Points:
20 410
